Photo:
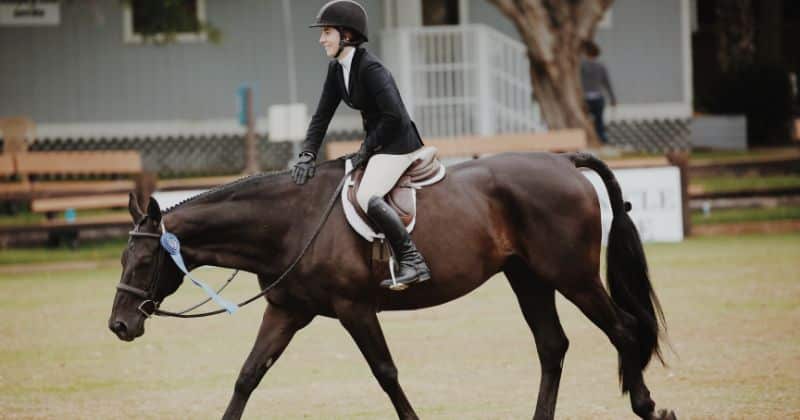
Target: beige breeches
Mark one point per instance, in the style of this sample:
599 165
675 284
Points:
381 174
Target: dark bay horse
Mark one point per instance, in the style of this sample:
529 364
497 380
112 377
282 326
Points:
534 217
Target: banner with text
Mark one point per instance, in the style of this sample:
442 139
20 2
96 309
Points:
654 194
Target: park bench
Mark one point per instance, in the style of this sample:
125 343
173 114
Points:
80 174
53 183
475 146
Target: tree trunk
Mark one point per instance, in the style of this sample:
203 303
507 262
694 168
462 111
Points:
770 32
553 32
736 34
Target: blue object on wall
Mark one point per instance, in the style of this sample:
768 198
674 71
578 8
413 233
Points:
242 103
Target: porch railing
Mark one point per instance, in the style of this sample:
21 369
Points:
462 80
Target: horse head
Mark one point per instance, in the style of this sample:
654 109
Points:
148 275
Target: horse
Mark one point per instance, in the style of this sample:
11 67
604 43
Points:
534 217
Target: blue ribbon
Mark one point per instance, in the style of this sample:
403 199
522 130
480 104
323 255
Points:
172 245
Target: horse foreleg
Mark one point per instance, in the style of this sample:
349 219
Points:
538 304
361 322
277 329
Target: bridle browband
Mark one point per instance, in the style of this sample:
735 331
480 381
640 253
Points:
148 295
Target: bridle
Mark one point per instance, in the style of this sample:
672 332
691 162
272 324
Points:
149 295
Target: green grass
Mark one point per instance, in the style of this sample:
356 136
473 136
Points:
732 305
87 251
727 155
746 215
739 183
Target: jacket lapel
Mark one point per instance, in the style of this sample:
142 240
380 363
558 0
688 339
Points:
353 83
353 76
340 78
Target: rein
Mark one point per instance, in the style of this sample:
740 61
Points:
149 294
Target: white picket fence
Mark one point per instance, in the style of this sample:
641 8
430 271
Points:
462 80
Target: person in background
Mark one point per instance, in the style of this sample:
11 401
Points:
595 82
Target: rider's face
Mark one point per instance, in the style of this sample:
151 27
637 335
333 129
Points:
329 39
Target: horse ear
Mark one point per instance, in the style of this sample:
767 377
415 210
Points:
154 210
133 207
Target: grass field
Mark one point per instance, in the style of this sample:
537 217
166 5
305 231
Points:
732 304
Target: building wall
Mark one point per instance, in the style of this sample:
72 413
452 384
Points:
81 70
642 48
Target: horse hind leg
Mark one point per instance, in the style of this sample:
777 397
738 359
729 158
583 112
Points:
537 301
591 298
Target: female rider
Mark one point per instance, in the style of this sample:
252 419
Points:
357 77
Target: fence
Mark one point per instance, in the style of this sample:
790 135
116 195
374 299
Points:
187 155
462 80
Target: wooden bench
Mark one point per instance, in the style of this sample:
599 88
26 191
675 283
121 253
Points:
34 172
7 168
96 180
56 204
475 146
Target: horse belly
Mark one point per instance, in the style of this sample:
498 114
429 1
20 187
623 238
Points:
462 237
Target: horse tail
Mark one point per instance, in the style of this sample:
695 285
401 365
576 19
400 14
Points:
627 275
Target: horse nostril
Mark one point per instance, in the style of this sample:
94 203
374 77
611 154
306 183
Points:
118 327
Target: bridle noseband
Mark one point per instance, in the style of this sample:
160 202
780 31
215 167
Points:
148 295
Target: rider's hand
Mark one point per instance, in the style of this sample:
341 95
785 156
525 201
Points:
359 158
304 169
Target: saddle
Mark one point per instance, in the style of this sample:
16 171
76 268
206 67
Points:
426 170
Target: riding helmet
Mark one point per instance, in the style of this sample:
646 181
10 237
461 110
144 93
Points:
343 14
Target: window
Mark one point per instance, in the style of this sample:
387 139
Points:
440 12
179 21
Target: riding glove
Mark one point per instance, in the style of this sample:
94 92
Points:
304 169
360 158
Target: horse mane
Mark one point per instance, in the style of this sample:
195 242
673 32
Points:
245 181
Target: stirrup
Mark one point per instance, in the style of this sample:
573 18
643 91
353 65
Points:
396 287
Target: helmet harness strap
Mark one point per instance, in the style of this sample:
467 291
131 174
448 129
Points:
343 42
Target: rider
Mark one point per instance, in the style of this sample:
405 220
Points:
357 77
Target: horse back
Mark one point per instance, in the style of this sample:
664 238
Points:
490 209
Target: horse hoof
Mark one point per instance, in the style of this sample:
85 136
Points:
664 415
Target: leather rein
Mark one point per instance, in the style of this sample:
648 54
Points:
149 295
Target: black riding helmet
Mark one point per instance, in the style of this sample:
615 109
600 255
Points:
343 14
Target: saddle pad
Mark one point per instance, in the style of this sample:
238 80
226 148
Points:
426 170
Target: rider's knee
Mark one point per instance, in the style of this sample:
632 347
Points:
363 197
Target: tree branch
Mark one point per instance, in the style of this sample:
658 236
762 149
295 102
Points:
588 13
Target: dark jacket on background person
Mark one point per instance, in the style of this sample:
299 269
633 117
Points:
372 90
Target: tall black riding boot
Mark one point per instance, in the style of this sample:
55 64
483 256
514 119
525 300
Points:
411 267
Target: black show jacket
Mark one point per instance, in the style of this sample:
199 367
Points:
373 92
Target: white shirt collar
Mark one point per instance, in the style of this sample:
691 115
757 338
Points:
347 60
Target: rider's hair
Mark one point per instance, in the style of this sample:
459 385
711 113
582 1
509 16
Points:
351 35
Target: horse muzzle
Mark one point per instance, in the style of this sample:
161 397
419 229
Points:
123 331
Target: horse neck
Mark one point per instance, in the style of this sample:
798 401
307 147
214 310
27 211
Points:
260 228
247 231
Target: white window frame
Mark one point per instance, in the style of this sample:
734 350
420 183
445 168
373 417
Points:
129 37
